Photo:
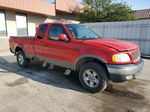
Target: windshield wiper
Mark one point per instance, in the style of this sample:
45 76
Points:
87 38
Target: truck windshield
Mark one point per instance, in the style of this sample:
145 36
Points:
80 32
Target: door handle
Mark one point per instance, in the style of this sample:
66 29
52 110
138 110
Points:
77 49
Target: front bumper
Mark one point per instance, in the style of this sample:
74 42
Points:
122 73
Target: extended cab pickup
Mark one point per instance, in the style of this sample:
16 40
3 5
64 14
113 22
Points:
77 48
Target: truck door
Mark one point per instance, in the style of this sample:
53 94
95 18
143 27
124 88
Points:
39 41
59 52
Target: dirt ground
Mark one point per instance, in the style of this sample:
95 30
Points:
37 89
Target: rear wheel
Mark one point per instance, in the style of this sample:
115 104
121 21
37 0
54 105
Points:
22 60
93 77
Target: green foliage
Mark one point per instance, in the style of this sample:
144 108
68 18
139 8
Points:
105 11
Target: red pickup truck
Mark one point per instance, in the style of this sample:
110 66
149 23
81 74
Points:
77 48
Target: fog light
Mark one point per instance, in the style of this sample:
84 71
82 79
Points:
129 77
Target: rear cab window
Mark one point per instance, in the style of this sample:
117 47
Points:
42 31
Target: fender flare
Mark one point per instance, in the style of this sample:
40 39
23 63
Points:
20 48
89 56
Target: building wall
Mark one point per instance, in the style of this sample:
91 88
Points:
31 6
63 17
32 23
10 16
70 6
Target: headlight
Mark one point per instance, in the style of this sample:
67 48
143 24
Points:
121 58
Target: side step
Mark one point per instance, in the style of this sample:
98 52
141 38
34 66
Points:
67 72
51 67
44 64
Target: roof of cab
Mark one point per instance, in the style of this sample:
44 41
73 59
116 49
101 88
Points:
58 23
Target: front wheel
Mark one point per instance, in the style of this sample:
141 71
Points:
93 77
22 60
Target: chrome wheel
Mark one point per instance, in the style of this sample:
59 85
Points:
91 78
20 59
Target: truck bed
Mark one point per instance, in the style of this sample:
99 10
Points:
22 36
25 42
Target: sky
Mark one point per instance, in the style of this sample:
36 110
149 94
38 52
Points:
136 4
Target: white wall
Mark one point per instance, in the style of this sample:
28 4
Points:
11 23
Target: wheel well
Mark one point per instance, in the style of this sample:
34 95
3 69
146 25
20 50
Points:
18 49
87 60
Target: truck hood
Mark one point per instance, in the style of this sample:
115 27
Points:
116 44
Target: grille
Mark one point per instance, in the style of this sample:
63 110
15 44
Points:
136 56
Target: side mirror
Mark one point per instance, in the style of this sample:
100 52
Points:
62 37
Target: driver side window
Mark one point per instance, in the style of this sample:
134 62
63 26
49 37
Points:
55 31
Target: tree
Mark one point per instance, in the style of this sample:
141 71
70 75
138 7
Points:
105 11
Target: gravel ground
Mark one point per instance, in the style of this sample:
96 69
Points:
37 89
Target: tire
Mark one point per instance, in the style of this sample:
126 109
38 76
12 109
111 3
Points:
22 60
93 77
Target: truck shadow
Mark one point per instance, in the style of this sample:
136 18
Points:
56 78
39 74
